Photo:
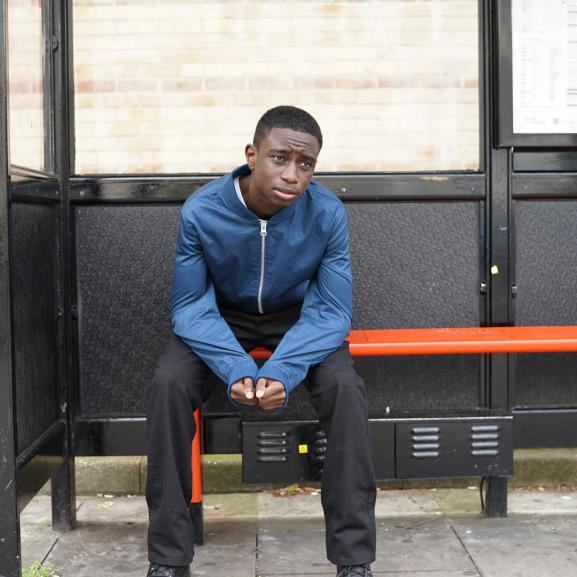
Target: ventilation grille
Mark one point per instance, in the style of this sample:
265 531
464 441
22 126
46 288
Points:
272 446
485 440
425 442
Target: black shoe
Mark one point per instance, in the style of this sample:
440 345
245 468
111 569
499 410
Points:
156 570
354 570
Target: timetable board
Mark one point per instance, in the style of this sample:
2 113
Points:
537 72
544 35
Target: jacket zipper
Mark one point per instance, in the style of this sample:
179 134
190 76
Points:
263 233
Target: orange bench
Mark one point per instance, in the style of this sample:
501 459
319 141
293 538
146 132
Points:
445 341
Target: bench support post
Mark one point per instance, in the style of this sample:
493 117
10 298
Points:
195 510
496 496
195 507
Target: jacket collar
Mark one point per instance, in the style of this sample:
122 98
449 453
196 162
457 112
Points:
233 202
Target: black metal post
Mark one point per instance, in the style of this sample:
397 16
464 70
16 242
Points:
63 482
498 168
10 561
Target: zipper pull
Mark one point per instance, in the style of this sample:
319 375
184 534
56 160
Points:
263 224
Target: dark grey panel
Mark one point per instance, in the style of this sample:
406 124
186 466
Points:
546 262
124 259
33 265
546 277
124 268
417 265
557 161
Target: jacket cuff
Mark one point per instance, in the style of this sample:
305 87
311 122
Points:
240 370
276 373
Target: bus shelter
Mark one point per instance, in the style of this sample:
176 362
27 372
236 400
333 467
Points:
461 201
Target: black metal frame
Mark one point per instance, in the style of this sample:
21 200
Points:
63 485
9 527
349 187
507 137
50 456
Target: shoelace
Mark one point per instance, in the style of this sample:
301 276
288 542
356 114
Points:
351 570
162 571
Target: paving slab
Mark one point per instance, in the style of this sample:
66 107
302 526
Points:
543 503
285 547
406 503
110 539
36 530
521 546
420 544
229 550
297 506
231 506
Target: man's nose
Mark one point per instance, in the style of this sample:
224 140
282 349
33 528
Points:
289 174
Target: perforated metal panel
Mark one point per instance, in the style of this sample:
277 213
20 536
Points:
33 277
546 277
417 265
124 260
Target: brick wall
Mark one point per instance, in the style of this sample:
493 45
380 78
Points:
25 83
178 85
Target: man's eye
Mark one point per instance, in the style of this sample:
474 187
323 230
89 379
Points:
306 164
278 158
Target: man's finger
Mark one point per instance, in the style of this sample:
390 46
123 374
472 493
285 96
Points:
261 388
274 388
274 397
248 388
238 396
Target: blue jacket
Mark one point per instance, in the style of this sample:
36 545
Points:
225 253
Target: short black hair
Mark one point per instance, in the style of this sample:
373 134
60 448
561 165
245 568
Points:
287 117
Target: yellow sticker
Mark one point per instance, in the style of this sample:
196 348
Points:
303 449
494 269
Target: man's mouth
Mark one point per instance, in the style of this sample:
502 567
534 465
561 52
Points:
286 192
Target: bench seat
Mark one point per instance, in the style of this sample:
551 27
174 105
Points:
465 340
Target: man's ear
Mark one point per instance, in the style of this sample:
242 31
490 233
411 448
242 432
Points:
250 154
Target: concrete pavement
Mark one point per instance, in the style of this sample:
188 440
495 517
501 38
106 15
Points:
421 533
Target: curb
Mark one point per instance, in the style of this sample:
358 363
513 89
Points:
223 474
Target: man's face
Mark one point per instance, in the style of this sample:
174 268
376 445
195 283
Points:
282 167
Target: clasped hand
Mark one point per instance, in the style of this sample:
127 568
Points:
268 394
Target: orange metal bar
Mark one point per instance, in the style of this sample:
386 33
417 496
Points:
466 340
196 462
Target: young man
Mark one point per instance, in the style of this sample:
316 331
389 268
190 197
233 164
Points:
262 258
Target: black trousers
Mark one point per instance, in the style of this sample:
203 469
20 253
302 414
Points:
182 382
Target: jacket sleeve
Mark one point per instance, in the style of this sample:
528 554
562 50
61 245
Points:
195 315
325 319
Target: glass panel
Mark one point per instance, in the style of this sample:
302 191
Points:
26 74
177 86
